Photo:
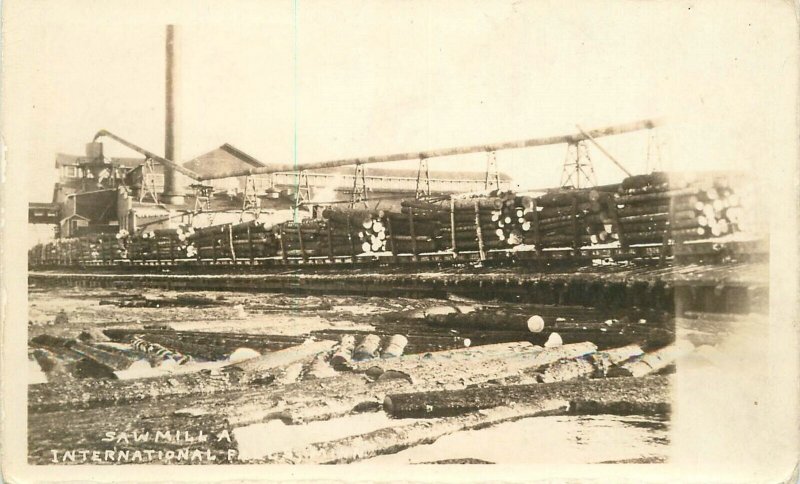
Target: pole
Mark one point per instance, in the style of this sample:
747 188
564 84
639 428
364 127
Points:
528 143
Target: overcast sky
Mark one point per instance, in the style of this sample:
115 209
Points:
367 78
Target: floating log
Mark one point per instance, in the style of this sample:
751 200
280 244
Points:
367 349
483 319
551 355
114 361
205 352
568 369
654 361
189 381
94 362
457 368
159 351
649 394
606 361
395 438
55 368
395 346
262 368
344 354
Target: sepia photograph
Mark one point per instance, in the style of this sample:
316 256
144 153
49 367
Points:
451 241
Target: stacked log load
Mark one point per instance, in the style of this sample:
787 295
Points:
572 218
92 248
643 209
352 232
686 206
300 239
456 224
253 239
245 240
414 229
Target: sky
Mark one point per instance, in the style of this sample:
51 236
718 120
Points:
312 80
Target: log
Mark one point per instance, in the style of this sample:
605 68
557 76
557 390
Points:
94 362
464 217
402 227
262 368
421 205
559 198
395 438
395 346
226 342
195 380
656 196
483 319
115 361
55 368
401 239
344 354
518 349
255 227
568 351
367 349
421 246
568 369
428 217
606 361
205 352
469 227
456 368
648 394
558 240
555 212
358 218
640 181
654 361
470 245
467 204
158 350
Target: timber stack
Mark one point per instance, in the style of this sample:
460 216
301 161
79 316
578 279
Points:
572 218
685 207
352 232
658 208
416 228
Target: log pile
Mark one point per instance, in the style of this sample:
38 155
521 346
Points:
572 218
456 224
472 224
352 232
300 239
253 239
660 208
416 228
685 207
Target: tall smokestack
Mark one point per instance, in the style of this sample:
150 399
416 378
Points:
173 181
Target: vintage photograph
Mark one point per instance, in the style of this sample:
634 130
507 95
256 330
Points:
396 233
